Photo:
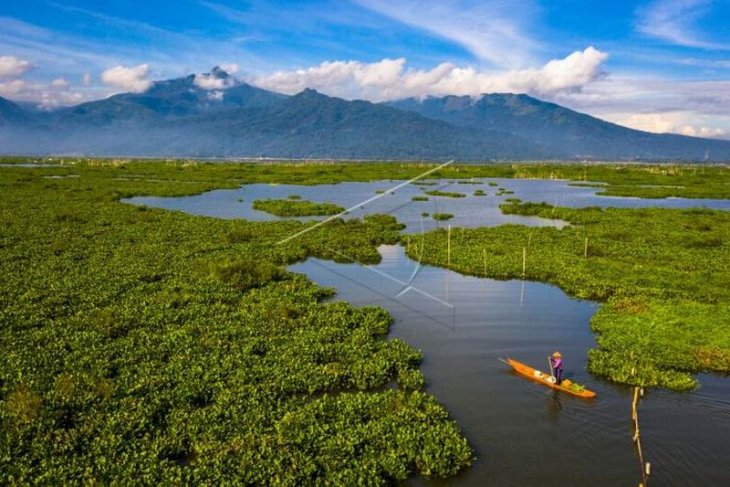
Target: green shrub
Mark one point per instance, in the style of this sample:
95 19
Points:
445 194
247 273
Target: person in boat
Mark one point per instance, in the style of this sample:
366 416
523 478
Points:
556 362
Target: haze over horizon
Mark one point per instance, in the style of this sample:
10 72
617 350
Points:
660 66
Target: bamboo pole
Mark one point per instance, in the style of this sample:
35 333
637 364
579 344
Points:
484 260
585 249
644 467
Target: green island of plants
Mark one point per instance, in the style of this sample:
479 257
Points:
445 194
295 207
442 216
663 274
155 347
419 198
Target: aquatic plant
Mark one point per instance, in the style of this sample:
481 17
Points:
290 207
445 194
157 347
663 273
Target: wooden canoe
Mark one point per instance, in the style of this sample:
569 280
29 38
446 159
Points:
547 379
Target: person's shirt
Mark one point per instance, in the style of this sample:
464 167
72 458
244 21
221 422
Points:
557 362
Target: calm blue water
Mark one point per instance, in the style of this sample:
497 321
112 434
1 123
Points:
463 324
524 433
471 211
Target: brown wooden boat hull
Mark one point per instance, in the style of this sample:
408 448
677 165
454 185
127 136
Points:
543 378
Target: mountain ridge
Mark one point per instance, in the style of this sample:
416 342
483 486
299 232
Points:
215 115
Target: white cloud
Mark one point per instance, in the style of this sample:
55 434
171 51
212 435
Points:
12 67
679 122
215 95
698 108
134 79
230 68
12 87
60 83
702 131
390 79
492 30
86 79
673 21
44 96
49 100
651 122
209 81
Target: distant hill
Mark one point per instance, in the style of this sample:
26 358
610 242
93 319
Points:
11 114
561 131
214 115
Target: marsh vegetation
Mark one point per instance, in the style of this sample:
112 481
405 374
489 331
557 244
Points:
159 347
664 275
297 207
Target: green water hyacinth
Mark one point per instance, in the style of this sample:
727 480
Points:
294 207
663 273
149 346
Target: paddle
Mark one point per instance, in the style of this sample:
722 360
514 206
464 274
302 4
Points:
552 373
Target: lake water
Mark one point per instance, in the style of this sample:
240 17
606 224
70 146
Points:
524 433
471 211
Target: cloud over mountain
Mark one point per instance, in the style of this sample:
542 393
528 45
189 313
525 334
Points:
390 79
133 79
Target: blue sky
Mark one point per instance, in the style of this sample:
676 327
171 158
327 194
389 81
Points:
661 65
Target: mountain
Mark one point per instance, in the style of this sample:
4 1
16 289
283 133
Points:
176 98
311 124
559 130
11 113
215 115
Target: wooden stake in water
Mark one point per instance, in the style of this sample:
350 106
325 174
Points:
524 260
585 249
448 246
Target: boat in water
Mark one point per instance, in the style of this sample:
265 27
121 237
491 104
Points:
566 385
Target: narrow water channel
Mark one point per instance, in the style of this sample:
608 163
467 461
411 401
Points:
524 433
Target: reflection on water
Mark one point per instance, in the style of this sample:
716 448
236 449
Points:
470 211
525 433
